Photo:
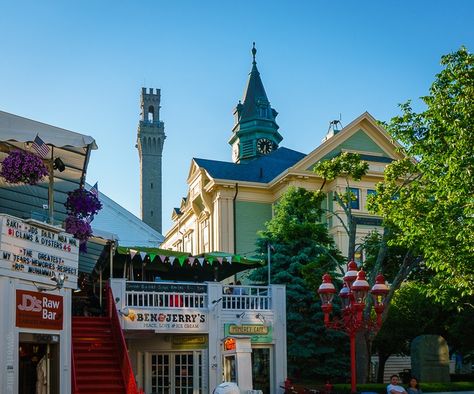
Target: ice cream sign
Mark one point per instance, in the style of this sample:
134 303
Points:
39 310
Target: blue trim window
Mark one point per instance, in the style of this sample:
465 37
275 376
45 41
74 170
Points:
355 203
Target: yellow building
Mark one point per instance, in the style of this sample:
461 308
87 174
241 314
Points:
227 203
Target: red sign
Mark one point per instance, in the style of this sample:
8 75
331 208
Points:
229 344
39 310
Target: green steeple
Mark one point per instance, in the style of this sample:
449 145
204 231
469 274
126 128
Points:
255 131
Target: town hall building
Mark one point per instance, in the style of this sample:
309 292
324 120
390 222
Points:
227 203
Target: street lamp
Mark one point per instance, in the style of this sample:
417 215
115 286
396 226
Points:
353 296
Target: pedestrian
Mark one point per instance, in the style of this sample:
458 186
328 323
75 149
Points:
394 387
413 386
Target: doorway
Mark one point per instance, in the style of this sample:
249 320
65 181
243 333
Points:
261 369
176 373
38 358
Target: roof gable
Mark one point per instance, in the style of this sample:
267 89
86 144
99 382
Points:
364 136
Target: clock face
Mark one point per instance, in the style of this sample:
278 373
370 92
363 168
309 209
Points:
264 146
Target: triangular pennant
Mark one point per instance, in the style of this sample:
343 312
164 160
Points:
162 258
133 252
181 260
171 259
201 260
219 259
229 259
152 256
143 255
237 257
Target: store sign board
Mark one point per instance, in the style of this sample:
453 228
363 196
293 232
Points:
33 252
258 333
189 342
165 287
169 320
39 310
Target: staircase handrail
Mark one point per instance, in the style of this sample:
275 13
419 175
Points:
75 390
125 364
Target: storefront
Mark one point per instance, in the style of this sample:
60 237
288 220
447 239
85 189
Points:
178 335
38 271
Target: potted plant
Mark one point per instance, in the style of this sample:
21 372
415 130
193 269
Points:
82 204
23 167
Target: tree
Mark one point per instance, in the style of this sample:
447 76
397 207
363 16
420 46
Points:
350 167
299 239
429 196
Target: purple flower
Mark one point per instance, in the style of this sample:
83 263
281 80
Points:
23 167
82 204
80 228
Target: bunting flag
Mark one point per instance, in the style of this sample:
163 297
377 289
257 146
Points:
220 259
143 255
229 259
201 260
162 258
152 257
181 260
171 259
237 258
133 252
210 259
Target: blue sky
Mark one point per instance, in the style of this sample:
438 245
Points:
81 65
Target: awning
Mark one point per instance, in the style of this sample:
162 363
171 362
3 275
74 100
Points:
171 265
25 201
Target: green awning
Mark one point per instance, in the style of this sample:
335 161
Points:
150 263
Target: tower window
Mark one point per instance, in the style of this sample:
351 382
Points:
151 213
151 185
151 113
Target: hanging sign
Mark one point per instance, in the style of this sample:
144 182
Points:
39 310
36 252
258 333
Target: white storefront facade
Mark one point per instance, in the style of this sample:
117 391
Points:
190 337
38 272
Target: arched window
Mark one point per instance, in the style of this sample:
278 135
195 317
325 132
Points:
151 113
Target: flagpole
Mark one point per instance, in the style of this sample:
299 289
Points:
51 189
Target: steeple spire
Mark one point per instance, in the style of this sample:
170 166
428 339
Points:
254 118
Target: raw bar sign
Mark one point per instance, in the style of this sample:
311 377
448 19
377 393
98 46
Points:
35 253
39 310
165 320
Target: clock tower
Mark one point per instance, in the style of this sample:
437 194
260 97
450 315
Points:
255 132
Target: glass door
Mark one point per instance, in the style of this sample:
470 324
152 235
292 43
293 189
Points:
176 373
261 369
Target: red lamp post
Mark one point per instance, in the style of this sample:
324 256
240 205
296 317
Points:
353 296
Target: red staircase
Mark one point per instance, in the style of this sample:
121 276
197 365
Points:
96 356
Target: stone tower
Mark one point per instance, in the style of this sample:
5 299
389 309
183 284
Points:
150 139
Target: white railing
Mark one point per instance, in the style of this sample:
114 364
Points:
186 295
246 298
166 300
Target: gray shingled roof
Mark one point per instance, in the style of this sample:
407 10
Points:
262 169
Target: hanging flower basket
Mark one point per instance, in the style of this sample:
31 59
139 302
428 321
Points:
23 167
82 204
80 228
